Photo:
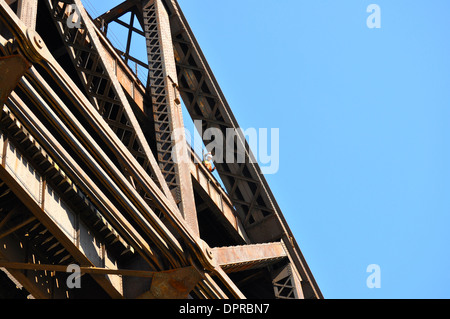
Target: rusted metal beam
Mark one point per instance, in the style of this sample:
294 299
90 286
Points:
98 68
14 228
164 203
35 50
118 11
13 68
238 258
9 215
173 284
96 270
222 276
82 181
124 190
195 244
173 157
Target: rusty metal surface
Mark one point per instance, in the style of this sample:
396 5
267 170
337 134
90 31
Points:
98 71
77 152
245 257
166 110
33 190
173 284
12 69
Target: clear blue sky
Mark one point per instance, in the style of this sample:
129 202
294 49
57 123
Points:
364 123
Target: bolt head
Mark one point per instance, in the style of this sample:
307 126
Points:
38 41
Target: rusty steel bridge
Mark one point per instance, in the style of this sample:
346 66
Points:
87 175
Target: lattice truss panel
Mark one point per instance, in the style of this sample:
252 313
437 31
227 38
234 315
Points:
285 285
97 77
159 94
245 189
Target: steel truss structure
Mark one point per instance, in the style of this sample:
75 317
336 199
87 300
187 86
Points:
87 169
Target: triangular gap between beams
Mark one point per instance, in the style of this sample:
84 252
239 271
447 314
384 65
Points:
195 141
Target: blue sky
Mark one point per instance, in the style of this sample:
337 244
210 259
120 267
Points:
364 125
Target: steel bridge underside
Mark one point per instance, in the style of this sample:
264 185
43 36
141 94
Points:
87 175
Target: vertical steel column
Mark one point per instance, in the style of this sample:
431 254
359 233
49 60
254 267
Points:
173 157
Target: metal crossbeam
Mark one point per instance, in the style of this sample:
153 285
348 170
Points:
239 258
83 269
